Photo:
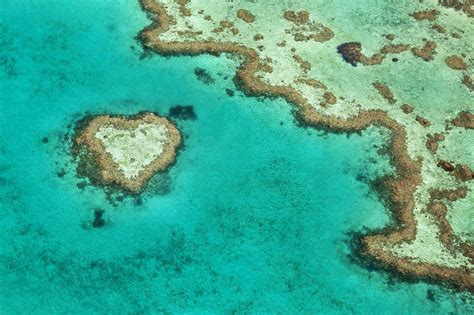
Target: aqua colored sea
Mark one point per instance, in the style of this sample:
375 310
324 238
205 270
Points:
258 215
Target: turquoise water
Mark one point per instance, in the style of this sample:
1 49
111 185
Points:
257 215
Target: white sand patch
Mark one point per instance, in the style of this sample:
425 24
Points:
133 150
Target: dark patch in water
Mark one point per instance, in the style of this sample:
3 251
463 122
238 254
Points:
182 112
430 295
81 185
115 195
9 66
229 92
111 28
7 48
45 140
379 186
372 160
61 173
138 201
146 54
204 76
384 151
98 218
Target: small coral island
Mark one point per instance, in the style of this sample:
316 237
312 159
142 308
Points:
125 151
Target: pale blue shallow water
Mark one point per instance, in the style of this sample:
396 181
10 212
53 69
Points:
256 215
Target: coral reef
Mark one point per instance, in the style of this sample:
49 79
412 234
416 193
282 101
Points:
421 241
125 151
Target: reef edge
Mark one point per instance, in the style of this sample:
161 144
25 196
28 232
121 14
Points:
401 187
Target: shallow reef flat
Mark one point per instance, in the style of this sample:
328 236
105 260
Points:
402 65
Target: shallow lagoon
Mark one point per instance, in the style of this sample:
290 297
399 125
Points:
256 215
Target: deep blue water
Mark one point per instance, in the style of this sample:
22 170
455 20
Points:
257 215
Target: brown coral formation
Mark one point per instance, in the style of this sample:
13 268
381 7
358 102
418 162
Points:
301 17
433 142
438 28
407 108
385 91
324 34
464 119
426 52
460 171
463 172
401 187
422 121
465 6
449 194
245 16
329 99
304 65
189 33
445 165
304 30
265 67
312 82
456 35
456 63
467 81
394 49
439 210
99 165
223 25
375 59
429 15
352 53
182 7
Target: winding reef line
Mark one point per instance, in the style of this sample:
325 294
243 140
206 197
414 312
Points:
401 187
